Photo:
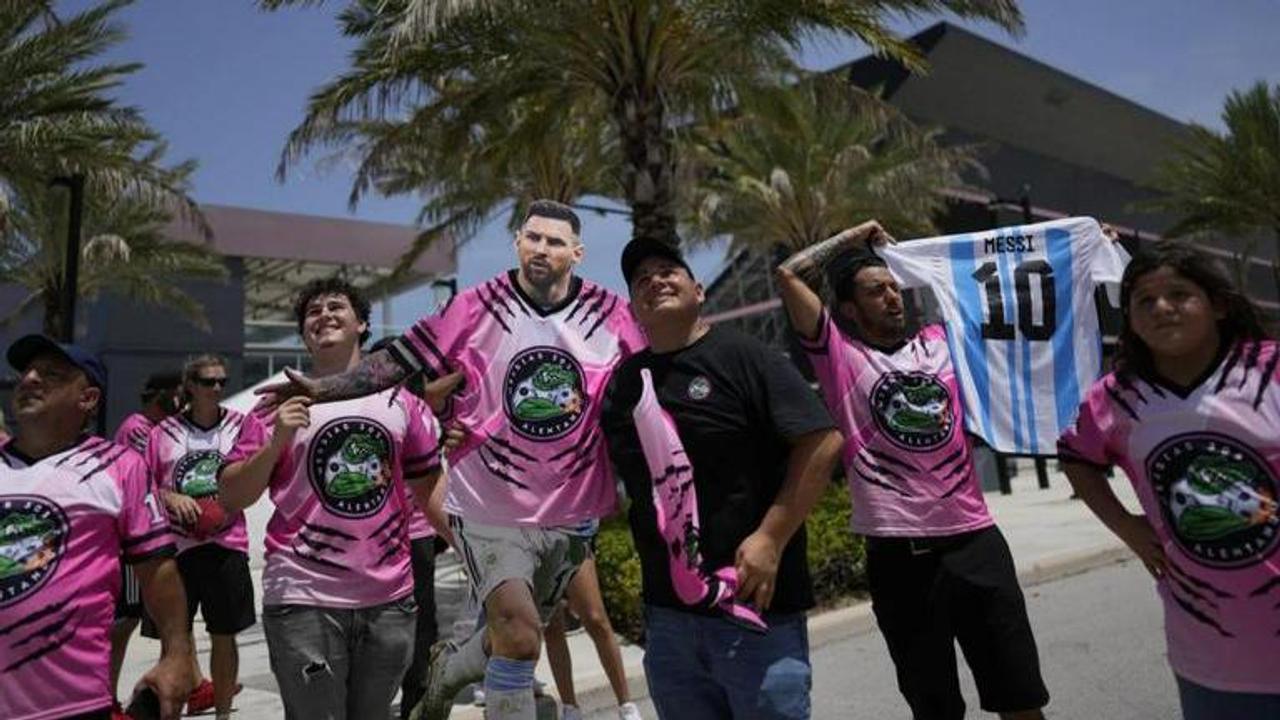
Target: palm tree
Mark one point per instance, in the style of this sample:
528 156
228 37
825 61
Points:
796 164
1228 182
659 67
127 254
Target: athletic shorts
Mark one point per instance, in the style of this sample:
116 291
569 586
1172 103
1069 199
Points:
545 559
129 604
219 585
930 593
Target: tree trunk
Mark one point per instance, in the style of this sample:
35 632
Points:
648 170
53 312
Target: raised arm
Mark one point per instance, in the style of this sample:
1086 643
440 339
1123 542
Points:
799 271
376 372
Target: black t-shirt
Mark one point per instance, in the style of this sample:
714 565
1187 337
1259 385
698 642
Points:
735 403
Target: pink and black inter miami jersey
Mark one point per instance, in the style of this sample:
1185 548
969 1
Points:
534 455
1019 307
1205 462
186 458
906 457
65 522
339 533
134 431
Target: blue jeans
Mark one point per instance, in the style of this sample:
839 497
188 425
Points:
1202 703
707 668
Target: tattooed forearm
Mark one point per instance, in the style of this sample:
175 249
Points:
808 262
377 371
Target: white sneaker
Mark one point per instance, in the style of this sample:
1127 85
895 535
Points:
570 712
629 711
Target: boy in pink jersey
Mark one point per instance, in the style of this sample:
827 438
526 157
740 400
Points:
71 506
938 568
184 454
338 608
536 346
1192 415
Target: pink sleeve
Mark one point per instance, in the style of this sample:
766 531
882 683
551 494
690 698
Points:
433 344
142 522
631 337
253 436
421 451
830 355
152 459
1088 438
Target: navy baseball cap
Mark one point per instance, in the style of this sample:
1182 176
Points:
25 349
640 249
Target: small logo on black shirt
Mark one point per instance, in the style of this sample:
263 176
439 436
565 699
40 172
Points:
350 463
1218 498
699 388
33 537
913 410
544 394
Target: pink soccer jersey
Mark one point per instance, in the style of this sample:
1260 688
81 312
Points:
185 458
65 522
339 533
534 455
1205 462
134 431
906 457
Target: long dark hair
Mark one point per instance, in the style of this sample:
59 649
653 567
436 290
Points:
1241 321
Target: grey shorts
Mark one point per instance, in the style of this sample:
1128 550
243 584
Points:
545 559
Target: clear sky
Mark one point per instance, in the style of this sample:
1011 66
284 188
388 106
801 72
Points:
226 82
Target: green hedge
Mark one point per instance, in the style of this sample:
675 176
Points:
836 563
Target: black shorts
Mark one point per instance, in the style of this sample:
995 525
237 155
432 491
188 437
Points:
129 604
218 583
928 594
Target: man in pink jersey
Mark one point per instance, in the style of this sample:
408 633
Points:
338 608
184 454
938 568
71 506
537 345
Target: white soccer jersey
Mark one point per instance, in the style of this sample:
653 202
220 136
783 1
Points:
1021 321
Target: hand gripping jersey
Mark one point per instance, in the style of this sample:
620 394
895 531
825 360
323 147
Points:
534 455
1023 328
1205 462
186 458
339 534
134 431
65 522
676 501
906 457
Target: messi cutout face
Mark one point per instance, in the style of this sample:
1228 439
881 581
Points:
876 305
662 292
331 322
51 387
547 250
1173 315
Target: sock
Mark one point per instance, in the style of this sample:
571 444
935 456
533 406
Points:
508 689
467 664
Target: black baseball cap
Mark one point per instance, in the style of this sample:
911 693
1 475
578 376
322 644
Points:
641 249
26 348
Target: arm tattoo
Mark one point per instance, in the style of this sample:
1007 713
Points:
376 372
809 262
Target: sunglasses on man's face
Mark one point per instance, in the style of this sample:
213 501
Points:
211 382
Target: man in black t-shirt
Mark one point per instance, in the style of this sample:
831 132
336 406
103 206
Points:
760 447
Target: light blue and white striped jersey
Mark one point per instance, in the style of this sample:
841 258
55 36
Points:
1021 322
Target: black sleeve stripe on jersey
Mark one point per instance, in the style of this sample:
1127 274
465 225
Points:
1231 363
880 483
36 615
317 545
495 469
955 487
390 553
164 551
1188 590
88 447
889 458
1203 585
577 304
1251 362
603 317
589 456
506 289
1195 612
106 464
498 299
580 450
385 524
404 356
513 449
1267 374
947 460
90 453
1263 589
332 532
593 307
169 430
48 629
493 311
1119 400
504 460
1128 385
1155 389
138 540
68 632
875 467
960 465
319 560
392 537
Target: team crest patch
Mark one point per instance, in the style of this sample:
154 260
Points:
544 394
350 462
196 474
33 536
913 410
1218 498
699 388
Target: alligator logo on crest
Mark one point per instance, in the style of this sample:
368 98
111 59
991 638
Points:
544 394
1218 498
913 410
350 462
33 536
196 474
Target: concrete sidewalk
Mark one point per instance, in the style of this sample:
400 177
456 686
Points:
1051 536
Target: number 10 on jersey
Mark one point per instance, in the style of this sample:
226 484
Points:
1036 315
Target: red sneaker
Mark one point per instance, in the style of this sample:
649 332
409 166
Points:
200 699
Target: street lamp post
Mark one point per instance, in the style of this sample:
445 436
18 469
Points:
71 268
